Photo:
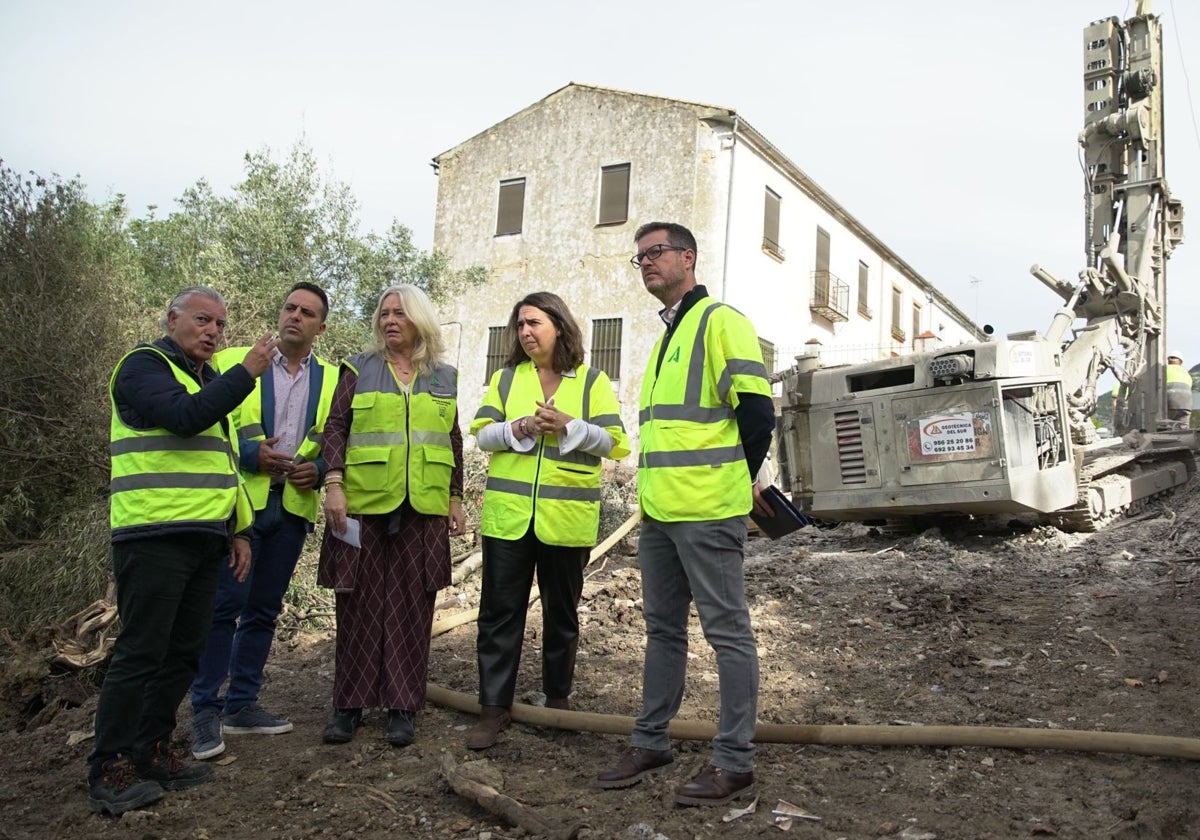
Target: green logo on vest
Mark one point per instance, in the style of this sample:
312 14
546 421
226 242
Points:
674 357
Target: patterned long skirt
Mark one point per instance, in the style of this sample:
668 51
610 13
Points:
381 655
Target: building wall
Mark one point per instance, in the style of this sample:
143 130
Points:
775 287
559 147
685 166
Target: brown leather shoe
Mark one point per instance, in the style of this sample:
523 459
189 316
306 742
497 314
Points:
715 787
634 764
492 721
563 703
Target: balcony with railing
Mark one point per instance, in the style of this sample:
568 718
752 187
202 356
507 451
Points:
831 297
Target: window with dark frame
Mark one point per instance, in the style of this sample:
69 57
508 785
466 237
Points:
614 194
821 267
510 212
771 203
897 308
496 352
864 290
606 346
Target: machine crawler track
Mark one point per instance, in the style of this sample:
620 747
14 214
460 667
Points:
1120 482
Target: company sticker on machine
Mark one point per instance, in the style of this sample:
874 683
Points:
950 437
1021 360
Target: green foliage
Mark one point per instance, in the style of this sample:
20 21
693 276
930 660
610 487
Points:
285 223
85 283
66 268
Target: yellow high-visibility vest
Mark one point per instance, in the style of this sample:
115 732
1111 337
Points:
248 418
160 477
400 445
691 464
562 489
1179 388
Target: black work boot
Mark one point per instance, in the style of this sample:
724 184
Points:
172 772
118 788
340 729
400 730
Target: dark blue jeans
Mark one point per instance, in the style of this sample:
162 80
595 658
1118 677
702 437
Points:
243 621
165 588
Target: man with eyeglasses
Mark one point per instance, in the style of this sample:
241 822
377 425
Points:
706 418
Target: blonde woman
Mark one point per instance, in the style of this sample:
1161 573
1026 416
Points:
393 456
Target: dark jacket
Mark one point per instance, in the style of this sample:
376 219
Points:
147 395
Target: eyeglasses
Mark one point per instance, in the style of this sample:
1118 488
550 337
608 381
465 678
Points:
652 253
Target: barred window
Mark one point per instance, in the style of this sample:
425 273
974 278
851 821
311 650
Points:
768 354
495 353
606 346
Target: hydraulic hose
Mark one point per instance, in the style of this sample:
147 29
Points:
1014 738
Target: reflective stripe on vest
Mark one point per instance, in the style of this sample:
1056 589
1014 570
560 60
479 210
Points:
160 477
563 489
400 446
691 465
248 420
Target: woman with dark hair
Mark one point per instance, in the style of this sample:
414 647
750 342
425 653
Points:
547 420
393 457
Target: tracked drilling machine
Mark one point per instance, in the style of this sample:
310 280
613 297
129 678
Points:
1003 426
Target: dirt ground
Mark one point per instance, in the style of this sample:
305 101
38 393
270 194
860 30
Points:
1011 627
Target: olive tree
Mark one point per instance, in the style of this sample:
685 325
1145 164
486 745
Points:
285 222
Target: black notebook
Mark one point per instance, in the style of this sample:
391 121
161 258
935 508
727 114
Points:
786 519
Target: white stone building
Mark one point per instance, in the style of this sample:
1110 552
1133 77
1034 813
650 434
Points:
549 199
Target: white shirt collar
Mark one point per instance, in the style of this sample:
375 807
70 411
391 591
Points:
668 314
281 359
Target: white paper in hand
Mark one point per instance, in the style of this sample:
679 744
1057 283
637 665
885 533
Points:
353 533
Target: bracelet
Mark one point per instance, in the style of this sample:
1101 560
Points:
524 429
337 482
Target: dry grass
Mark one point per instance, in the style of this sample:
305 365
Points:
43 583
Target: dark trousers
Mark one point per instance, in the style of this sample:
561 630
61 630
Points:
244 616
508 568
165 589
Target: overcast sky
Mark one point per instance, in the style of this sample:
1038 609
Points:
948 128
